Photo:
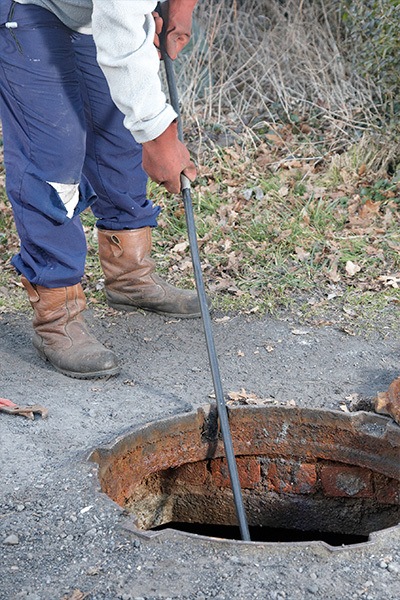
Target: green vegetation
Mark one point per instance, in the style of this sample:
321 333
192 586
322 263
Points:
297 201
373 28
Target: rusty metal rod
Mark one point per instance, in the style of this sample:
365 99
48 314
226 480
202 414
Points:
205 313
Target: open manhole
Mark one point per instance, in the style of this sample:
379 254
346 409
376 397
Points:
306 474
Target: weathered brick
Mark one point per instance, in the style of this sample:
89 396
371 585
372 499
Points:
387 491
279 478
348 481
192 473
305 479
249 471
289 477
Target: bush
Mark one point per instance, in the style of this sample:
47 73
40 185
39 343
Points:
333 63
373 45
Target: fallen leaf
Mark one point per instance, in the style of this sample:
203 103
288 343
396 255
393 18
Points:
301 253
299 332
369 208
362 170
390 280
181 247
276 139
349 311
348 331
222 319
388 403
352 268
76 595
283 191
333 273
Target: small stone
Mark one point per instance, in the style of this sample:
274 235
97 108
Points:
383 564
14 568
11 540
91 532
313 589
393 567
20 507
247 194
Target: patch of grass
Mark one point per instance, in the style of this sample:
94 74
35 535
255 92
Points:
297 240
354 312
274 236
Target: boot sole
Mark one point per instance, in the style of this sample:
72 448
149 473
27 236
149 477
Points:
128 308
77 375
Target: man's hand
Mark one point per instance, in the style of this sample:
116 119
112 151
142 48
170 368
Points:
159 25
166 158
177 17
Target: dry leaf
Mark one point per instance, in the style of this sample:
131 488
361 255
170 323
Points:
76 595
362 170
222 319
369 208
181 247
390 280
283 191
388 403
352 268
333 273
301 253
276 139
299 332
348 331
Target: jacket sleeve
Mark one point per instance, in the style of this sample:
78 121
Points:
123 31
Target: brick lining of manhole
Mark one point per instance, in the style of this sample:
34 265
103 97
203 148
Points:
300 469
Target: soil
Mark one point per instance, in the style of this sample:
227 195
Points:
60 537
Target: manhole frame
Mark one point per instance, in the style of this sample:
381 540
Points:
384 428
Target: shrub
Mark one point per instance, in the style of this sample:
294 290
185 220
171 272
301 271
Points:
372 30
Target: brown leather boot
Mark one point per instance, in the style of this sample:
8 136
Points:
130 280
61 335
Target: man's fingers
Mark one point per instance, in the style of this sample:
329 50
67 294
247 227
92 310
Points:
172 186
190 172
158 20
159 25
175 42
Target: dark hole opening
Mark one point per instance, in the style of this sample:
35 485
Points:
266 534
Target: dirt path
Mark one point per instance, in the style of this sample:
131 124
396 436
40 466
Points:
70 537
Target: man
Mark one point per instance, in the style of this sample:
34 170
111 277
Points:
84 122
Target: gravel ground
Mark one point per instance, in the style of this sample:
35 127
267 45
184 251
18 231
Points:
60 538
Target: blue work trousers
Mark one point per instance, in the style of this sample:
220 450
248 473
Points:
60 125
